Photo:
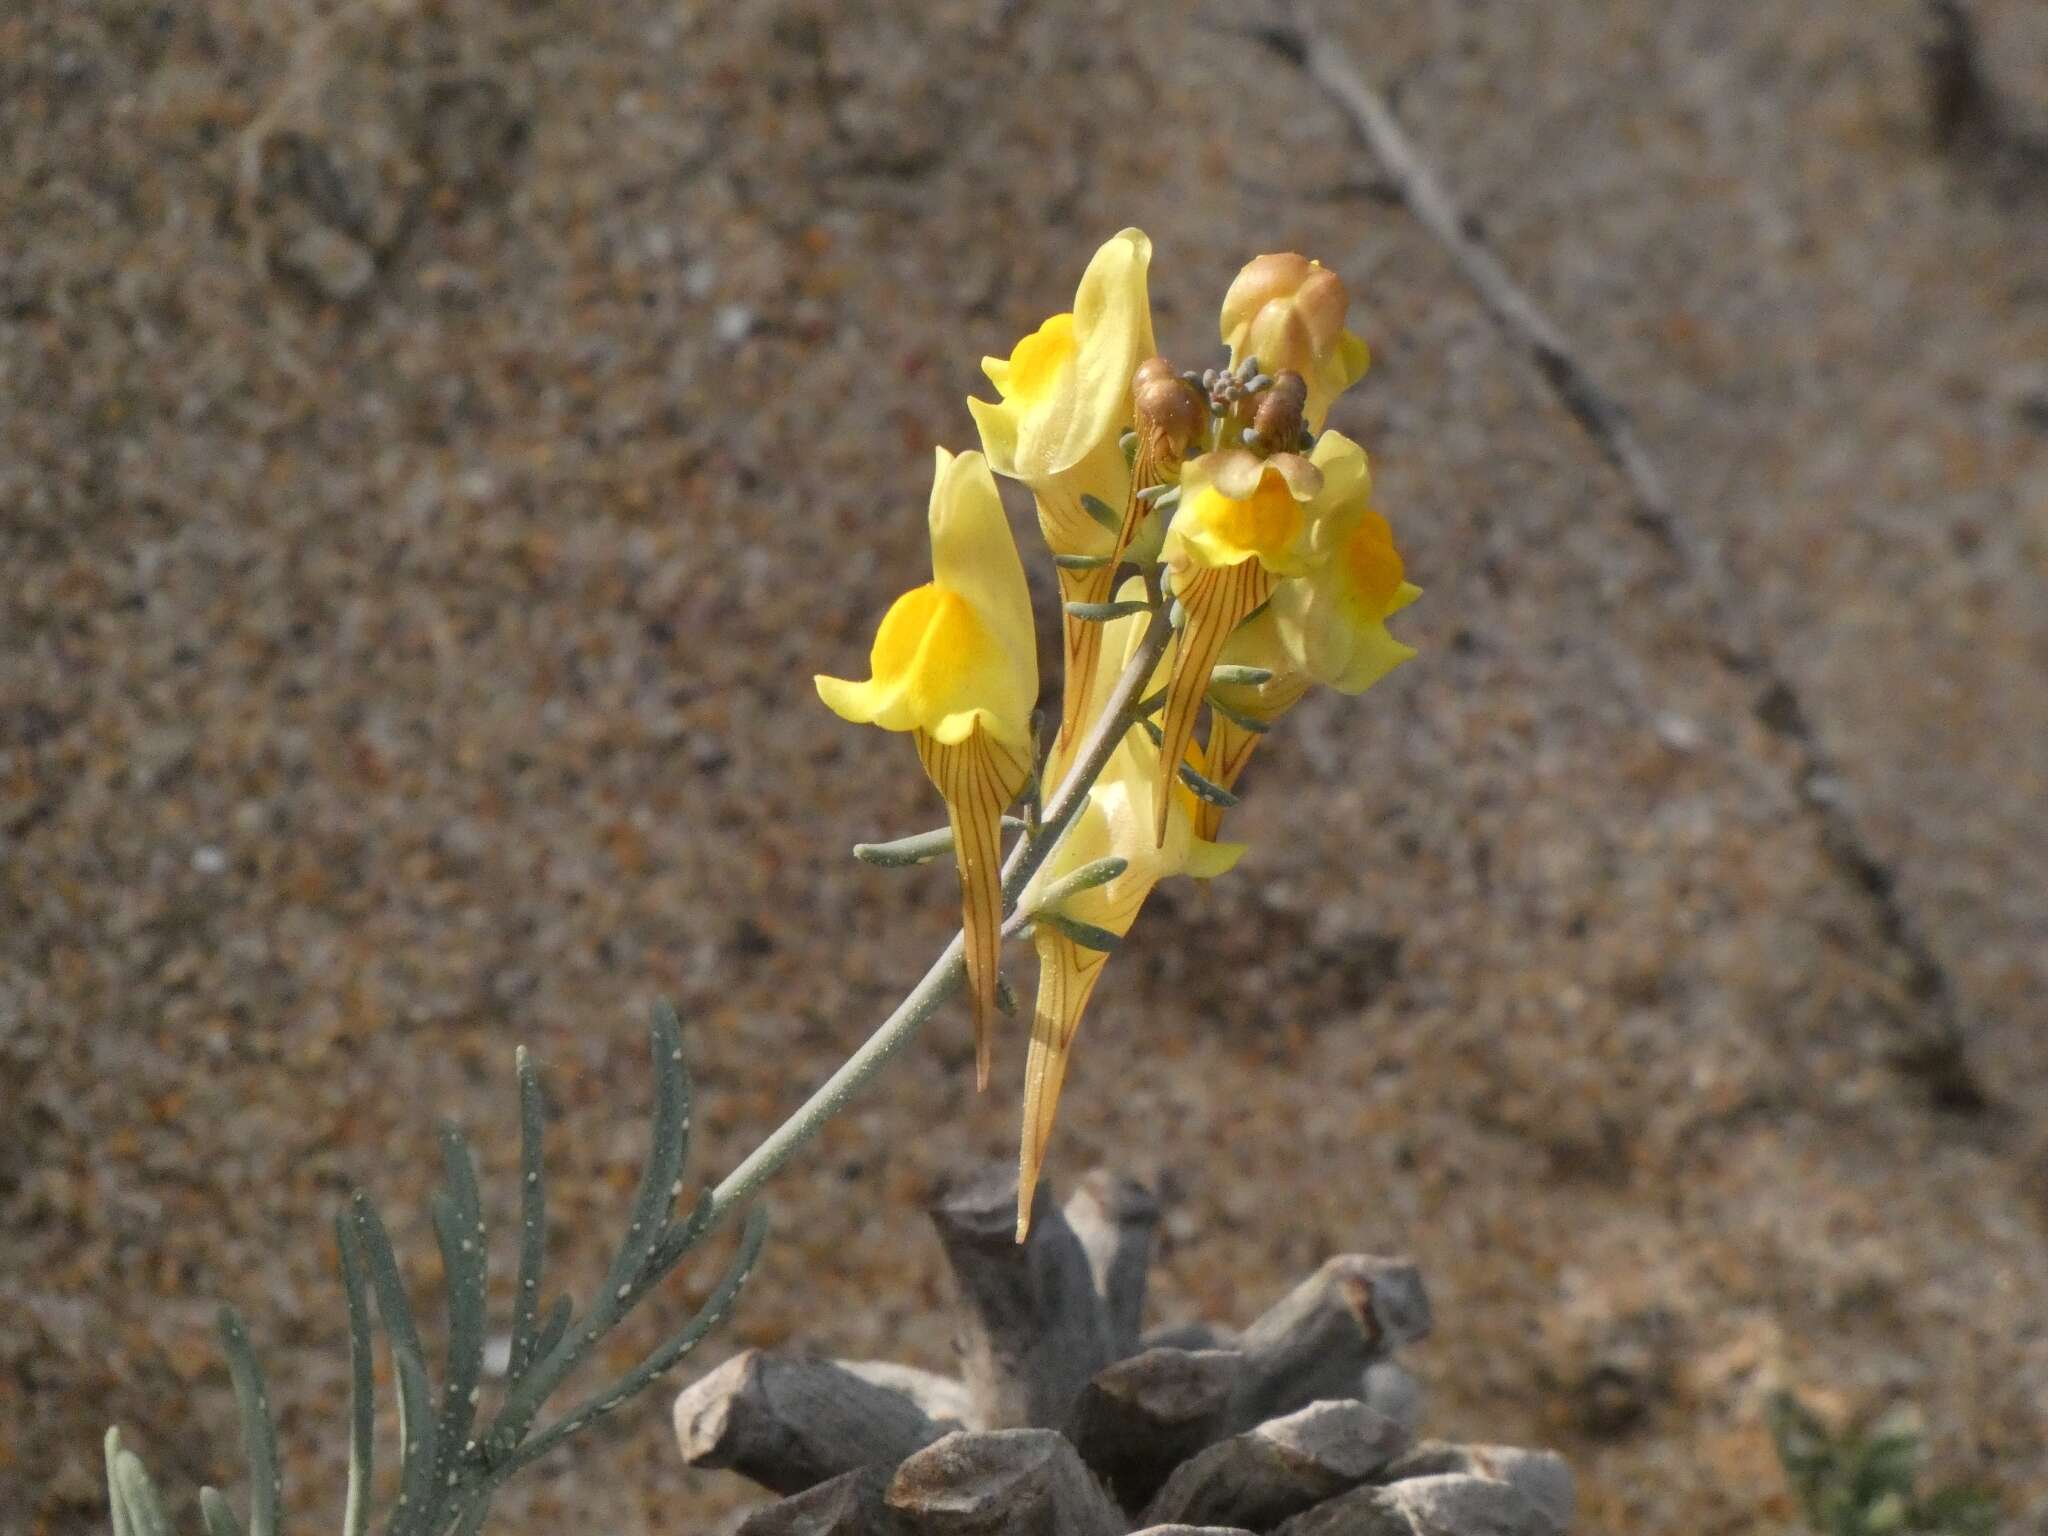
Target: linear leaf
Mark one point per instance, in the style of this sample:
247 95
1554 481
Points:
1104 613
416 1468
362 1384
459 1224
533 1208
1087 935
1238 717
217 1514
259 1430
1103 513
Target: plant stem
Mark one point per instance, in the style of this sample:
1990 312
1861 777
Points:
950 968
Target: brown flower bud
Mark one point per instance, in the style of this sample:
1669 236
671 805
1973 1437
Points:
1288 312
1169 413
1277 419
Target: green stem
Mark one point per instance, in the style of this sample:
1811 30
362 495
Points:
950 968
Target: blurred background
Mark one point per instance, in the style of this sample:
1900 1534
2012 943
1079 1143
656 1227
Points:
439 441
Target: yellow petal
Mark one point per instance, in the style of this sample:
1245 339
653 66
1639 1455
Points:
1333 621
1236 507
1207 860
978 779
1066 387
975 556
934 667
1067 974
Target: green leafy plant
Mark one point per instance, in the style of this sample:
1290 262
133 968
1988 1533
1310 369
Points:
451 1462
1861 1483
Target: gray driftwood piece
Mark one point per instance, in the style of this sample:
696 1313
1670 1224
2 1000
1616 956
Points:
1114 1217
847 1505
1003 1482
790 1424
1453 1504
1192 1530
1033 1330
1316 1341
1281 1468
1142 1417
1544 1477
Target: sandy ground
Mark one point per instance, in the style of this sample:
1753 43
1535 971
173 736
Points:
439 441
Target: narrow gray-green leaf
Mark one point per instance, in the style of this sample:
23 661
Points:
1087 935
362 1384
145 1509
1103 513
1086 878
394 1308
418 1493
1239 718
533 1210
259 1430
117 1501
1103 613
1204 789
217 1514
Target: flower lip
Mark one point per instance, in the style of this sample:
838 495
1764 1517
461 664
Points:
1236 506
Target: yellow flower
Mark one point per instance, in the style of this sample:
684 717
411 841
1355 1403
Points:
1243 523
1064 402
1116 821
1288 312
1332 623
955 663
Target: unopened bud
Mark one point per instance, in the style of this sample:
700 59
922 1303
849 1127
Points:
1168 412
1288 312
1277 419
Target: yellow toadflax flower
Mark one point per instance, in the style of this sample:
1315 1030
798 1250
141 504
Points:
1115 822
1288 312
955 663
1334 624
1064 403
1243 523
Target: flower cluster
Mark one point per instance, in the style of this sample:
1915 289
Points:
1211 501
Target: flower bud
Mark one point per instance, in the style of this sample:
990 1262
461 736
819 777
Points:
1277 419
1169 414
1288 312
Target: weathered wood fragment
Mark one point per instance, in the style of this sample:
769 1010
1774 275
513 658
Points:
1316 1341
1453 1504
847 1505
1142 1417
1032 1329
1281 1468
1114 1218
1004 1482
790 1424
1544 1477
